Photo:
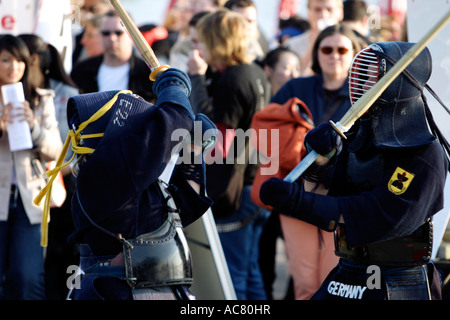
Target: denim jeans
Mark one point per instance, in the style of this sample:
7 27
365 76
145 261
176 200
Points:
21 255
107 286
241 248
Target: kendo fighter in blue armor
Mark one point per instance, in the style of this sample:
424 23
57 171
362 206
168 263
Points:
383 184
129 222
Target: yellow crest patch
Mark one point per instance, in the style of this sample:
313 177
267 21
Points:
400 181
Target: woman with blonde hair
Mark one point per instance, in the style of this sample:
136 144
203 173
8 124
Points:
229 88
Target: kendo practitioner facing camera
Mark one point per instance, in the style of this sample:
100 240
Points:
128 221
378 189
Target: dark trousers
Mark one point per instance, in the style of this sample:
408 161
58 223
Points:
21 255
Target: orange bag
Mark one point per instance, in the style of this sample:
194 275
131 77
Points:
290 150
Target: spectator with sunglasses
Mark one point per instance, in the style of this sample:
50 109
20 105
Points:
89 10
118 68
320 14
310 250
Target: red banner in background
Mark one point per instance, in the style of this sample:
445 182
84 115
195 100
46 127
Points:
17 16
49 19
288 8
394 8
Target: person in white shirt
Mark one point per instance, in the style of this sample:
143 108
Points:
119 67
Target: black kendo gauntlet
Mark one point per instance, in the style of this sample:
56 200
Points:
203 137
291 199
192 167
326 142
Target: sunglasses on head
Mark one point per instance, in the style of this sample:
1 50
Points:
328 50
107 32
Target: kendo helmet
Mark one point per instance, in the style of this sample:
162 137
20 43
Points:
81 108
94 118
398 117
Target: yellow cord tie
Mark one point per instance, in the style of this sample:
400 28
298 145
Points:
74 138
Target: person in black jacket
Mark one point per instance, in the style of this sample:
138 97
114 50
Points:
229 88
119 67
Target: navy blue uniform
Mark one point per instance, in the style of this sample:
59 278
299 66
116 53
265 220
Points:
384 194
117 186
389 198
386 182
386 198
118 194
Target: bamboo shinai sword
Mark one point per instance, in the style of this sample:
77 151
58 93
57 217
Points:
365 102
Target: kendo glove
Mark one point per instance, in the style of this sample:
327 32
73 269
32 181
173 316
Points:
288 198
324 140
193 167
282 195
205 132
203 137
172 77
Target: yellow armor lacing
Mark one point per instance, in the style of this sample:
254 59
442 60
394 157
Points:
73 137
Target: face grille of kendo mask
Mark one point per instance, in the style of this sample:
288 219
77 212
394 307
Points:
364 73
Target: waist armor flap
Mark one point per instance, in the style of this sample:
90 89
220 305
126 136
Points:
159 258
412 250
